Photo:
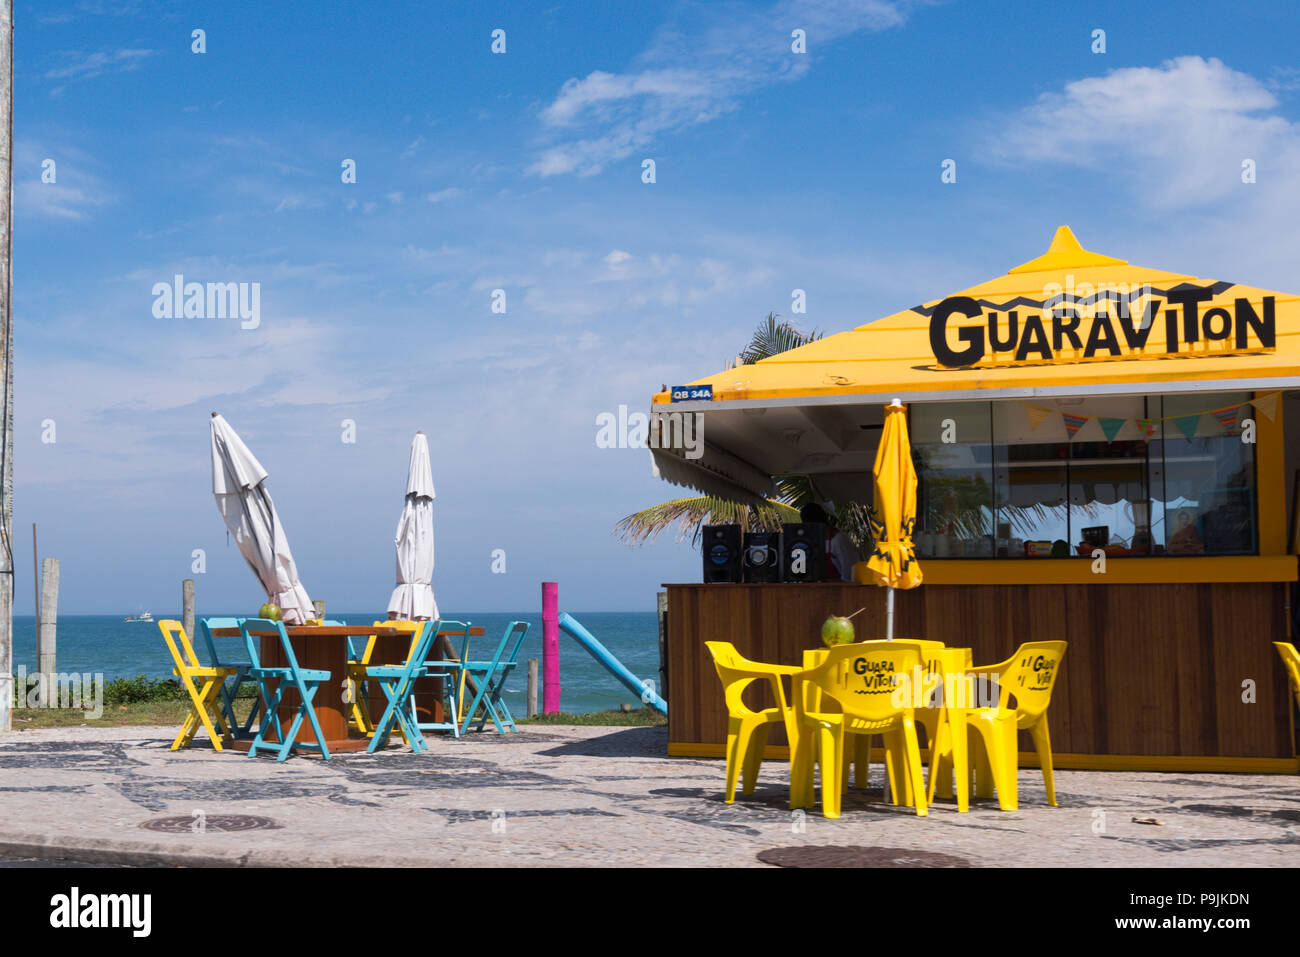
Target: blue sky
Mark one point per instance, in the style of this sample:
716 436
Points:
522 171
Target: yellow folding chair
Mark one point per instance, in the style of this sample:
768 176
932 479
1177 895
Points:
747 729
358 714
873 686
203 699
1027 678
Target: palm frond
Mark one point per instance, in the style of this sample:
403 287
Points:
854 520
797 490
774 336
690 515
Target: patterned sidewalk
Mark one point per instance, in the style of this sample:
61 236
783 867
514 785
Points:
585 796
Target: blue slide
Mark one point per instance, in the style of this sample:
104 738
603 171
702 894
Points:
615 667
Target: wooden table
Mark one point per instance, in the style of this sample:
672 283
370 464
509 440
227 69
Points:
325 648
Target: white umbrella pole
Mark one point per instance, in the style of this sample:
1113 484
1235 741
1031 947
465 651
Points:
889 614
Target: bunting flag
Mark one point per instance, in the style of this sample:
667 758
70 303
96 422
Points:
1227 417
1267 405
1111 427
1187 425
1073 423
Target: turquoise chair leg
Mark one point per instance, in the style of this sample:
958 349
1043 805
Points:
309 693
398 693
478 699
270 719
506 716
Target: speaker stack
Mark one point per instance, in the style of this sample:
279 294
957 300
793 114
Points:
797 553
762 557
803 552
722 562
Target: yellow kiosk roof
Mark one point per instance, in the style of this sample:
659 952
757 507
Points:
1071 322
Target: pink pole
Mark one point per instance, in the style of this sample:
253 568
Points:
550 648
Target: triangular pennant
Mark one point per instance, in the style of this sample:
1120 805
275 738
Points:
1147 427
1073 423
1266 405
1110 427
1227 417
1187 425
1036 415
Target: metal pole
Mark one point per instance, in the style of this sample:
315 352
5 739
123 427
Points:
889 614
46 656
187 607
7 352
532 687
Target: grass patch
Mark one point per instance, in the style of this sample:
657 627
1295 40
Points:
640 718
115 716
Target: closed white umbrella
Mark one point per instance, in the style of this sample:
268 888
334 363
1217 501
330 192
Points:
238 484
412 599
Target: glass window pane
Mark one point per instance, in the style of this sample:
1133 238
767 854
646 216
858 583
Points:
1110 501
1208 502
1029 455
950 445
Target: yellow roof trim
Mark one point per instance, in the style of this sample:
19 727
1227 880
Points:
1066 253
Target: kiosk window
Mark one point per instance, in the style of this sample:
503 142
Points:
1140 476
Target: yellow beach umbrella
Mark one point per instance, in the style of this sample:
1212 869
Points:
893 563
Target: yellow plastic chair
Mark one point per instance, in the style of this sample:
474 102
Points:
938 661
747 729
872 685
1290 661
947 668
1027 678
203 699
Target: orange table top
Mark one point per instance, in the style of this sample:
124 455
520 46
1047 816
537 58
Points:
341 631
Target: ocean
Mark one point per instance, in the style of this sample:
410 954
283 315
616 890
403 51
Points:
117 649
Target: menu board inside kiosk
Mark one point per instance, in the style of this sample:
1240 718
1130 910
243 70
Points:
1139 476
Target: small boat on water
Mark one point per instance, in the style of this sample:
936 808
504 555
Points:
144 616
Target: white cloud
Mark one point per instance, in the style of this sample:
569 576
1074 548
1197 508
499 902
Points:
1180 130
52 201
75 192
697 68
443 195
77 64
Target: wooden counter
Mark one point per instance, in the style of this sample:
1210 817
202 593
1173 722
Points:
1153 678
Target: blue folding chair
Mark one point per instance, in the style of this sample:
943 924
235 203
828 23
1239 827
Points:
302 680
450 671
491 677
397 683
230 687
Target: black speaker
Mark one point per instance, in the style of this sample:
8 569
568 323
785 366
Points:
721 547
803 552
762 557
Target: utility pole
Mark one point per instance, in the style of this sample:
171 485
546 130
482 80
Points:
7 359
